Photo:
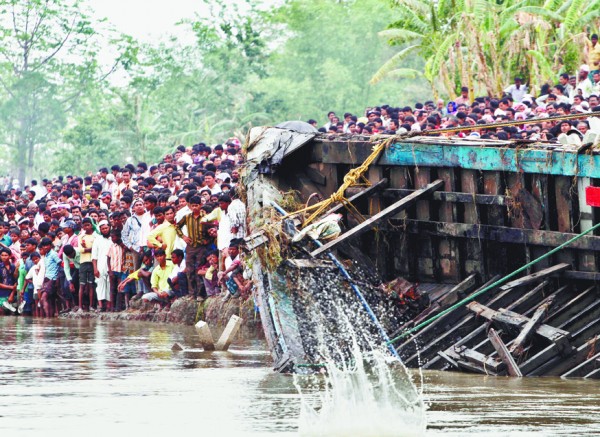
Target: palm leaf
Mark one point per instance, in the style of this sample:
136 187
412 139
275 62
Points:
541 12
573 13
404 73
586 19
399 35
511 10
442 51
564 8
419 6
508 27
391 64
543 62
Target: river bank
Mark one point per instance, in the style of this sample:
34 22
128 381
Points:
184 311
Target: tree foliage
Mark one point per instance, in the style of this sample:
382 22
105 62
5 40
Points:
484 44
248 65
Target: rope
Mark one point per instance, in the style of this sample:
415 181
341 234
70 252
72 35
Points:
489 287
350 179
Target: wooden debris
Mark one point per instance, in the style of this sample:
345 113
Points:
518 345
504 354
372 222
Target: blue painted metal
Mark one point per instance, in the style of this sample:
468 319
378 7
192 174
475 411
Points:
494 159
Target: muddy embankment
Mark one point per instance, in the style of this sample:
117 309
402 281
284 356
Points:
186 311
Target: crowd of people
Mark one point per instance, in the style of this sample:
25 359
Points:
99 242
174 229
570 94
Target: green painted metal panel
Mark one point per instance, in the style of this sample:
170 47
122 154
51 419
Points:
494 159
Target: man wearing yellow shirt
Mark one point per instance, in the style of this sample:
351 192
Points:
163 237
159 280
593 54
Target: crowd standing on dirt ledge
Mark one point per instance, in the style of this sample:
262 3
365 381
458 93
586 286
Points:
174 229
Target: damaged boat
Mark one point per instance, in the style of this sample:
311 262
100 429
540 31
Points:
454 254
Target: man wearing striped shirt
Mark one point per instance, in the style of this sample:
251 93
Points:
197 242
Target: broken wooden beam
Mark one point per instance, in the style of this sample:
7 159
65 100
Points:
517 321
372 222
517 348
504 354
359 195
487 362
528 279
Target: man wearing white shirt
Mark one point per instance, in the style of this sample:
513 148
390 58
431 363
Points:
517 90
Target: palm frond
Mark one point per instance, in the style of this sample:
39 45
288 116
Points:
564 7
442 51
541 12
391 64
573 13
399 35
586 19
543 62
404 73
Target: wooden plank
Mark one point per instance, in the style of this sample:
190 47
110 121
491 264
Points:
500 234
584 368
425 253
492 185
564 213
443 330
473 248
485 361
519 304
517 321
474 368
539 189
559 364
315 175
517 348
373 221
449 196
594 374
377 247
504 354
458 291
586 260
448 258
448 359
533 277
404 261
359 194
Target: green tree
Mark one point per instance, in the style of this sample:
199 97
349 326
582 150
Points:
48 56
484 43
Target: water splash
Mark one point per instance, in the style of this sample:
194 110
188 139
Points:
373 395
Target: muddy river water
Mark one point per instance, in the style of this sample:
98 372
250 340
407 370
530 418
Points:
92 378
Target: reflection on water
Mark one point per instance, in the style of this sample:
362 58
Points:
98 378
